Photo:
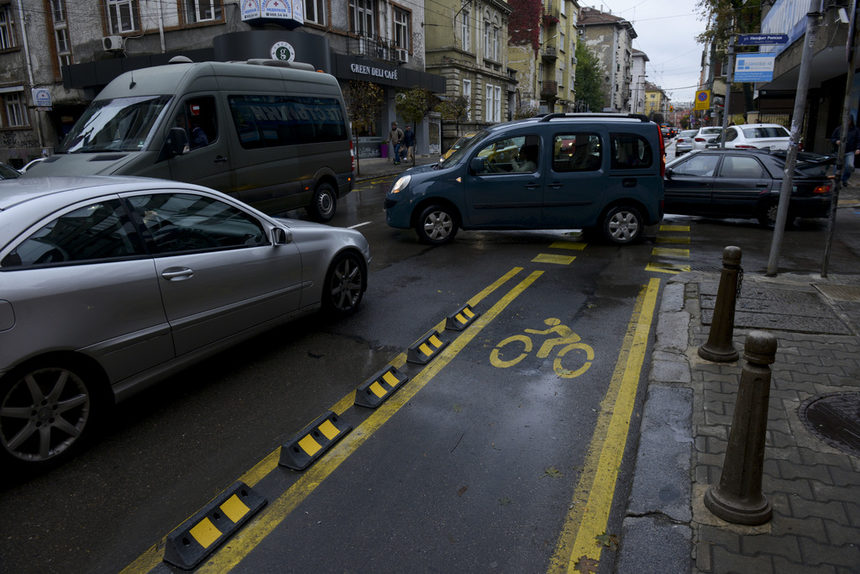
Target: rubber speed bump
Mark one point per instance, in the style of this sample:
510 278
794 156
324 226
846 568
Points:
200 535
310 444
379 387
462 318
425 348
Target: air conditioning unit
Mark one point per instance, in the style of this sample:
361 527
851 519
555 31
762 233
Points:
112 43
403 56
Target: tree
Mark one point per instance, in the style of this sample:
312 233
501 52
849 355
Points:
412 105
587 87
454 109
364 104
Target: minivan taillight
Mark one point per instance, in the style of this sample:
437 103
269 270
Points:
352 156
662 153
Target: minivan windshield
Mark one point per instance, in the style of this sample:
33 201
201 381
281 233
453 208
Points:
121 124
469 144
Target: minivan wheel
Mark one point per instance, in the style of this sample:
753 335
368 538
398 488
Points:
46 410
622 224
344 285
436 225
324 204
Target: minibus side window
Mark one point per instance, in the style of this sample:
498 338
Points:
268 121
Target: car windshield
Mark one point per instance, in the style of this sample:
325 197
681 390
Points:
765 132
7 172
466 146
122 124
711 130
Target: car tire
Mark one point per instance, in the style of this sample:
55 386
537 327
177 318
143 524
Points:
768 212
345 284
324 204
47 410
622 224
436 225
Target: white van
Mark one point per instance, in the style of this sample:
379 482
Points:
273 134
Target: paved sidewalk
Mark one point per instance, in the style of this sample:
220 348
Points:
372 167
811 477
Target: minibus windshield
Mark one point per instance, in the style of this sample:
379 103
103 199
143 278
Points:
122 124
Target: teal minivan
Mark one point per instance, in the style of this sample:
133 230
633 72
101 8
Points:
597 172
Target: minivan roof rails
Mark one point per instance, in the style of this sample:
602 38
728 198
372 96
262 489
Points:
595 115
281 64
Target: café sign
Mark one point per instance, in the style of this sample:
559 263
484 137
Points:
365 70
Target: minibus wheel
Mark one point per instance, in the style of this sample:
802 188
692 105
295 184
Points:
324 203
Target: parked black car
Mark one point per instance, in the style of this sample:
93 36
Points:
746 184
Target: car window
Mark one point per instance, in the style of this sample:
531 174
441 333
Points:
186 222
576 152
630 151
731 134
698 165
99 231
766 132
518 154
741 167
711 130
198 117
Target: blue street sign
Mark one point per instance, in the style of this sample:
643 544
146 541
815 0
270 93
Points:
760 39
754 67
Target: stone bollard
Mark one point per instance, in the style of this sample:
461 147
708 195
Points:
719 347
738 498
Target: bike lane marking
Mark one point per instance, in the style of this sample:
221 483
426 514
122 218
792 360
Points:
236 549
152 556
595 490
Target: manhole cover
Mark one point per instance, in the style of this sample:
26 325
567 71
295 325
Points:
835 419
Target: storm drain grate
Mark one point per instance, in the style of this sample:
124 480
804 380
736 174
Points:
840 292
835 419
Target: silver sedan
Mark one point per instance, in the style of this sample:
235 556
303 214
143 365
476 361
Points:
110 284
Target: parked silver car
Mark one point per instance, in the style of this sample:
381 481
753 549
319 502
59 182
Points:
684 142
108 284
705 136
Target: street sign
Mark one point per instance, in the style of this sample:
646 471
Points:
754 67
703 100
760 39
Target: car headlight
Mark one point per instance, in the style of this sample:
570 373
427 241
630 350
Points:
401 184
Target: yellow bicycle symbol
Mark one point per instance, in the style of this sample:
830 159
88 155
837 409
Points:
567 339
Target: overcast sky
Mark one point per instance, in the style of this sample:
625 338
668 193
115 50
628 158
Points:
667 34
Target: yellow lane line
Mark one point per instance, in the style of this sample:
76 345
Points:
554 259
572 245
670 252
152 556
674 228
673 240
236 549
592 498
667 268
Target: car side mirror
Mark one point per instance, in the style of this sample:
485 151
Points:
176 143
478 165
281 236
669 173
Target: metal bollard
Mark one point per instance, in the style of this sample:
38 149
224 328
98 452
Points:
719 347
738 498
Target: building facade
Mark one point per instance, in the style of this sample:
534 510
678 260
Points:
656 101
473 60
56 55
637 86
610 38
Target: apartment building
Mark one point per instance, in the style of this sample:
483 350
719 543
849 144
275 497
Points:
55 55
610 38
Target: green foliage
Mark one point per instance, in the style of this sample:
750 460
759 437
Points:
453 109
365 103
727 17
525 111
412 105
525 22
588 86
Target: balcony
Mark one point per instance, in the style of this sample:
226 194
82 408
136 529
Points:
548 89
375 48
549 53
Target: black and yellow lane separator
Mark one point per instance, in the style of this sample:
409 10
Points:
426 348
313 441
200 535
673 251
378 388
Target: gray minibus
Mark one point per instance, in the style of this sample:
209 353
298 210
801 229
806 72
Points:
273 134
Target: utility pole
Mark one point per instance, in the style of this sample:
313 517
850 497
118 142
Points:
730 76
812 19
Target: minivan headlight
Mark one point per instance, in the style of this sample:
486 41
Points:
401 184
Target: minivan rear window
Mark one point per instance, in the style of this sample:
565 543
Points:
630 151
268 121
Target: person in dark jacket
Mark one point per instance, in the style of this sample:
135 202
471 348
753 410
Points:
409 144
852 148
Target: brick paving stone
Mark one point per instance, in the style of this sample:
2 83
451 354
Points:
812 527
838 535
829 492
820 473
720 537
794 486
786 546
815 457
725 562
803 507
853 511
844 476
814 553
783 566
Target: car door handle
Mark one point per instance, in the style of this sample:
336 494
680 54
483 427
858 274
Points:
555 185
220 159
177 273
629 182
762 185
532 186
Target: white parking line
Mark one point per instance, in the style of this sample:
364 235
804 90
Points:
357 225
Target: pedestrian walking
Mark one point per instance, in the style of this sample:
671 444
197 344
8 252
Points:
395 137
852 148
409 143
